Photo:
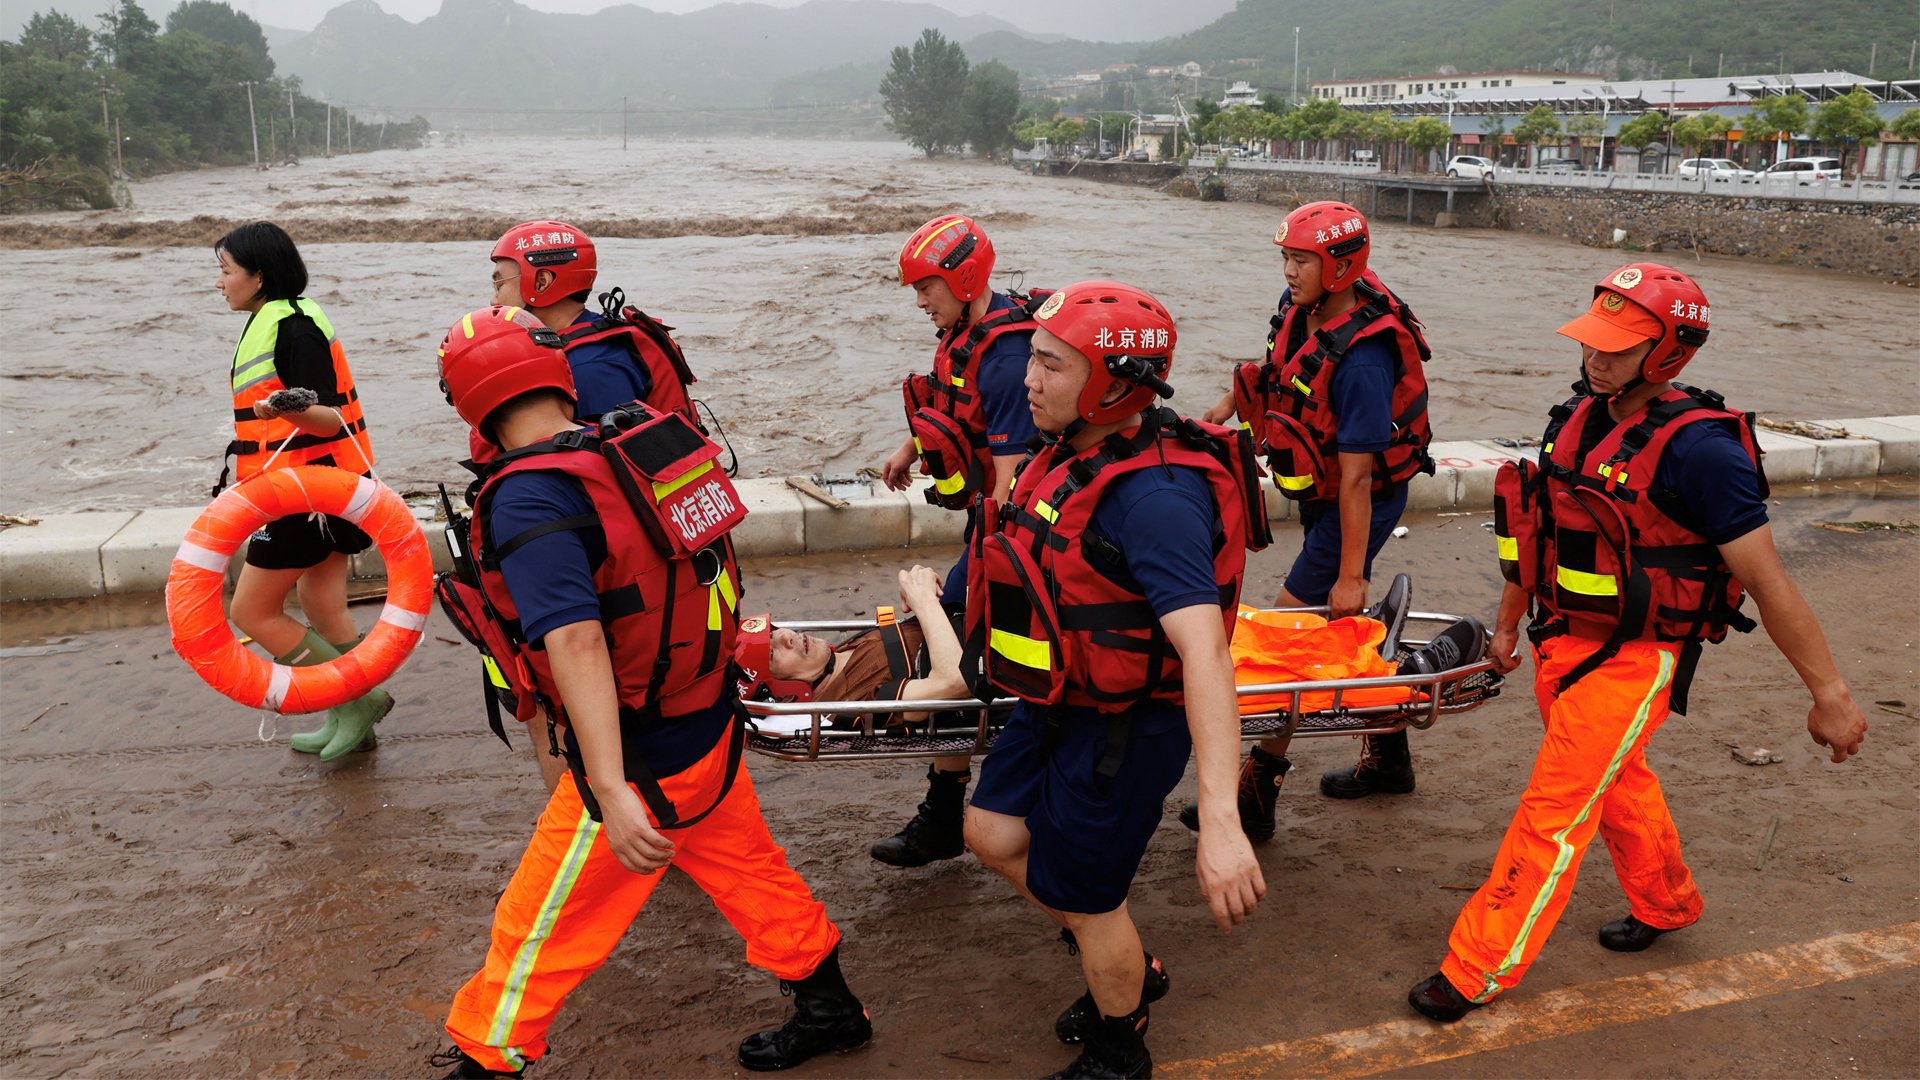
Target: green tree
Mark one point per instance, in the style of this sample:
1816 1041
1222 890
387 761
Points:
991 102
923 91
1906 126
57 37
1536 127
1850 118
1424 135
216 21
1700 131
126 31
1773 118
1493 134
1642 131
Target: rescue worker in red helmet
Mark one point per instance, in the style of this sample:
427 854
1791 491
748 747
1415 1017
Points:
1631 541
1102 593
651 736
616 356
549 267
1339 408
969 427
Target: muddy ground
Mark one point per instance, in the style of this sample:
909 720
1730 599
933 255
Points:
182 898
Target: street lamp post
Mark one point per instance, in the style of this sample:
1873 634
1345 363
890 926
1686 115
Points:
1293 96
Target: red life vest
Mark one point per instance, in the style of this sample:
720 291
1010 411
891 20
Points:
1605 553
945 413
669 587
1287 402
653 348
1044 618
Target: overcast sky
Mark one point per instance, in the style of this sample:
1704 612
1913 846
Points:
1123 20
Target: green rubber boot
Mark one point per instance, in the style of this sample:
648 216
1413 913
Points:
312 651
315 742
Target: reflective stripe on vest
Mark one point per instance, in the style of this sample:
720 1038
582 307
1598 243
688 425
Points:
1582 582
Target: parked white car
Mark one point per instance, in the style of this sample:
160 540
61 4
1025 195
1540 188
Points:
1714 168
1802 170
1468 167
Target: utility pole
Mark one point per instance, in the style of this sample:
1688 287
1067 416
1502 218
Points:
329 106
1721 70
119 158
291 122
1293 96
623 122
1873 54
254 122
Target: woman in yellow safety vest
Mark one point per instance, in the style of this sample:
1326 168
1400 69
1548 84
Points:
289 344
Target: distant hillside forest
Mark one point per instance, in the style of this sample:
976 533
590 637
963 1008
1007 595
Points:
81 108
1612 38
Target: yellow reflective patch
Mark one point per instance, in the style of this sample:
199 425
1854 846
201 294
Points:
1025 651
1579 581
1548 448
917 448
662 489
1508 547
956 380
1040 507
1293 483
466 323
493 673
722 589
948 485
1300 386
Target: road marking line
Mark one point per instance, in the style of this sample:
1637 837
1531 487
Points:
1400 1044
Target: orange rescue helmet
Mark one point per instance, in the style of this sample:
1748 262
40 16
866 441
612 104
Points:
494 355
549 245
1127 337
1334 231
952 248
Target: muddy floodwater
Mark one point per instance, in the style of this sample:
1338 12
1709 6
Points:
775 261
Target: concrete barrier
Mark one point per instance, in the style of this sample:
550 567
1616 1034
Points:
124 551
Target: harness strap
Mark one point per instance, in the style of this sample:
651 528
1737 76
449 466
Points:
491 559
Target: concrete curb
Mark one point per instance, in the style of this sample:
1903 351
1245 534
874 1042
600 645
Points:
123 551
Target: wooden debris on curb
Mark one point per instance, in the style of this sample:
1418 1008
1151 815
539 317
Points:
805 486
1805 429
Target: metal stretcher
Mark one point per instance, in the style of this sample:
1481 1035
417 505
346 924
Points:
966 726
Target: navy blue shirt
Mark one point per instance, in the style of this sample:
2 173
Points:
551 581
1162 522
1002 377
1707 467
606 375
1362 391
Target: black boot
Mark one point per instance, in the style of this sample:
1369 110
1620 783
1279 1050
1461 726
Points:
1260 778
1116 1047
1631 935
464 1067
1463 643
1080 1017
1385 768
1435 998
934 832
826 1016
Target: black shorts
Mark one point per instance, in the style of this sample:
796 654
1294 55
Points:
299 541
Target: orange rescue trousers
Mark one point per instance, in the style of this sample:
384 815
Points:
570 902
1590 774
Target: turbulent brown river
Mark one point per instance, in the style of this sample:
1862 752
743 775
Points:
775 262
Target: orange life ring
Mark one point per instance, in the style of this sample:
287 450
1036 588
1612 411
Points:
198 619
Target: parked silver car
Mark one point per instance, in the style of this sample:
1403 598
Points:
1803 171
1714 168
1468 167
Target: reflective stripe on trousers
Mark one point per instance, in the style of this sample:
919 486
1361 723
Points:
570 902
1590 775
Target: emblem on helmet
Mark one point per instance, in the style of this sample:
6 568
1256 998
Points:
1052 306
1627 278
753 625
1280 234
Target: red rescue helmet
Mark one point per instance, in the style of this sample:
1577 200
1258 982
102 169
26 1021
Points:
549 245
496 354
1334 231
753 655
1126 336
1646 302
953 249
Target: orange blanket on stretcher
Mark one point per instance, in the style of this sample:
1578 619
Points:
1295 646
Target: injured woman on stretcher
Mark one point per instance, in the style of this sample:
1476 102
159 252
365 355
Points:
834 688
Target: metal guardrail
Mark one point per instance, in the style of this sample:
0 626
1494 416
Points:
1851 191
